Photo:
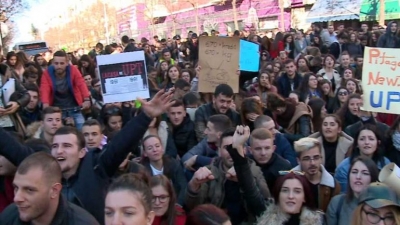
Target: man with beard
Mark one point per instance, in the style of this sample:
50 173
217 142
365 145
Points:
62 85
221 102
323 185
217 184
38 199
86 174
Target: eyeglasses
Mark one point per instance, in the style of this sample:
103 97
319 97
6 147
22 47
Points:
375 218
161 198
309 159
286 172
343 93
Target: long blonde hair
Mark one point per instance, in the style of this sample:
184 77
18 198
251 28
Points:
357 218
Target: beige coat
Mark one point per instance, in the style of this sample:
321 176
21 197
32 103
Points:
343 148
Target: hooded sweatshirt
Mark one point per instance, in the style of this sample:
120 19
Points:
389 39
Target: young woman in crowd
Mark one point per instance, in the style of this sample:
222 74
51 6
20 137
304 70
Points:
319 44
173 74
207 214
277 45
129 201
326 90
112 119
317 106
249 111
303 66
348 73
339 100
374 38
378 204
335 144
363 171
264 59
367 143
159 128
353 46
289 46
350 110
263 87
308 87
162 73
294 119
300 43
187 75
157 163
86 66
164 202
352 86
328 72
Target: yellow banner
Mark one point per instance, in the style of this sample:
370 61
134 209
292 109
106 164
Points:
381 80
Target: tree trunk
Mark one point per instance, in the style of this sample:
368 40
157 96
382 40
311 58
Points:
235 14
382 13
282 15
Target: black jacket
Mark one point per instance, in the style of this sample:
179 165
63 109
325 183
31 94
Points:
284 86
89 185
272 168
184 135
174 171
66 214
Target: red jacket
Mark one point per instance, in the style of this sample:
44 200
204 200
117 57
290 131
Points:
76 85
180 219
275 53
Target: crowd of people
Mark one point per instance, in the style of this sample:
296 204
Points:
293 147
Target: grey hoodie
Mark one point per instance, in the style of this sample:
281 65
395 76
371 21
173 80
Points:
389 39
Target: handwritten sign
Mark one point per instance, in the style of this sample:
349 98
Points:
123 76
381 80
249 56
219 60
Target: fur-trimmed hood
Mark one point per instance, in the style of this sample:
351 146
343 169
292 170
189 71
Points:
34 130
275 216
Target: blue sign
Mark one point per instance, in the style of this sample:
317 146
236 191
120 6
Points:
249 56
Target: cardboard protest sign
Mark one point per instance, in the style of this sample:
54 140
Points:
219 61
123 76
381 80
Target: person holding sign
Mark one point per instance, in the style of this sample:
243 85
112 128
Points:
62 85
18 97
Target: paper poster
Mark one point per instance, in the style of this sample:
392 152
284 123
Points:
123 76
219 61
381 80
249 56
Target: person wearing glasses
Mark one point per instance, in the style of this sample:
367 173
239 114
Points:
338 101
378 204
323 186
164 202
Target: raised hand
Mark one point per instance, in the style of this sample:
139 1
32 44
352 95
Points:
159 104
231 174
240 137
201 176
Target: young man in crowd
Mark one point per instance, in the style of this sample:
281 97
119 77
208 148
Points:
203 153
94 138
222 99
283 148
323 185
182 87
217 184
262 150
62 85
86 174
32 112
290 80
38 198
51 122
181 127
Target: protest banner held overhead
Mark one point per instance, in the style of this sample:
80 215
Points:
123 76
249 56
381 80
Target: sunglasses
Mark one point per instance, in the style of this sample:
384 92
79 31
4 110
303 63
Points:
286 172
342 93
